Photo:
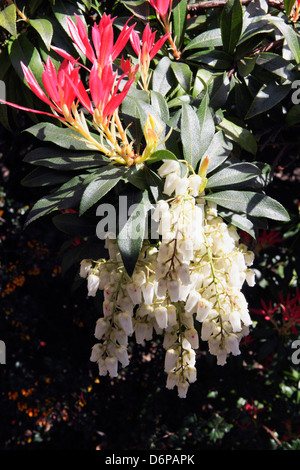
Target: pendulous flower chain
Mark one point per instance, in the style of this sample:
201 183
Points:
189 282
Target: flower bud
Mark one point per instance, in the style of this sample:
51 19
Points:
148 292
93 284
125 321
170 166
170 359
101 328
112 366
85 267
161 316
173 290
192 336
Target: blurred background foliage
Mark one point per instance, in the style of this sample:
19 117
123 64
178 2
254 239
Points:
51 395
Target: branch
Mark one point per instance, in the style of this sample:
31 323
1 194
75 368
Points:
195 7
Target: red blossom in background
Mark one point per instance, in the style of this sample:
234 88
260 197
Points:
285 315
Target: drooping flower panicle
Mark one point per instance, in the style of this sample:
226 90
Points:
194 274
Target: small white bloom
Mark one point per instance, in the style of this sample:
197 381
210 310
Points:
125 321
192 301
191 374
85 267
93 284
112 366
160 208
169 166
183 272
182 389
140 331
101 328
148 292
134 292
170 183
192 336
203 309
250 277
172 315
161 316
194 184
181 186
170 359
122 355
173 290
232 345
172 380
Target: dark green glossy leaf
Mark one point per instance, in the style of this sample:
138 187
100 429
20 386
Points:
207 125
132 232
65 197
183 75
8 18
45 30
44 177
64 137
214 58
218 151
252 203
190 132
179 11
161 155
268 97
210 38
21 49
60 159
231 24
101 183
240 135
233 174
74 225
162 76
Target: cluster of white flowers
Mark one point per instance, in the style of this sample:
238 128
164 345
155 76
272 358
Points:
190 281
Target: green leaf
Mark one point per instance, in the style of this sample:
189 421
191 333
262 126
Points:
74 225
161 155
231 23
293 116
207 125
64 137
45 30
275 64
240 135
140 8
65 197
251 203
214 58
218 151
8 18
289 34
233 174
60 159
132 232
190 132
210 38
44 177
155 183
21 49
102 182
162 76
179 21
267 97
183 75
288 6
240 221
